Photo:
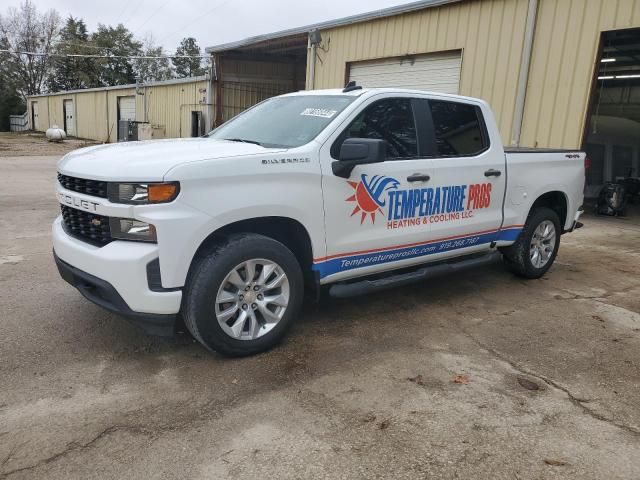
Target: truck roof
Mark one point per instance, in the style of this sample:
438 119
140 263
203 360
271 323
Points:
372 91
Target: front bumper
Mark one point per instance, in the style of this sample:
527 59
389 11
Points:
122 266
106 296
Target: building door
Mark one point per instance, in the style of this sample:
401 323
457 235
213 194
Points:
436 72
196 124
34 116
126 113
69 121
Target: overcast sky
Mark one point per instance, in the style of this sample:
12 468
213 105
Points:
211 22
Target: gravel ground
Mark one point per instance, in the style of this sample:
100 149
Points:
479 376
35 143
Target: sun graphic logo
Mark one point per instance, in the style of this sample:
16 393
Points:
370 195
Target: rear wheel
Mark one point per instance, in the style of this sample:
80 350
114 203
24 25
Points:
536 248
244 295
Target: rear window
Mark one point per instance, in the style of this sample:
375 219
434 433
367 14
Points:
458 128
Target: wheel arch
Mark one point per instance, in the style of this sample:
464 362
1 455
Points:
557 201
288 231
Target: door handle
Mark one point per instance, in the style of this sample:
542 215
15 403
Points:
418 177
492 172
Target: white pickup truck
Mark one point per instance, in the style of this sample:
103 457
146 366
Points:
348 191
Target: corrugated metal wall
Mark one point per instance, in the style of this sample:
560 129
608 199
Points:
43 113
96 112
564 54
489 32
171 106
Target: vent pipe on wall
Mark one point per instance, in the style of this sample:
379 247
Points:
523 79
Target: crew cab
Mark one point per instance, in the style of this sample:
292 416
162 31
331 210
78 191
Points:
346 191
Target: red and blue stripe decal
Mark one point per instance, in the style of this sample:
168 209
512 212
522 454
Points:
348 261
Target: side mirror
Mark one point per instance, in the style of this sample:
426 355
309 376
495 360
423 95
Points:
358 151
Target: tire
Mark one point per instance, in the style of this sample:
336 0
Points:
212 284
519 256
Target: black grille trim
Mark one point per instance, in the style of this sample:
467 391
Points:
89 227
95 188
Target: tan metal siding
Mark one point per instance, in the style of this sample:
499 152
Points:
91 115
43 113
170 106
562 67
489 32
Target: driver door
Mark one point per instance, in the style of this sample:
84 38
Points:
368 226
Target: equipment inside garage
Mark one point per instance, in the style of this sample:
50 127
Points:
612 140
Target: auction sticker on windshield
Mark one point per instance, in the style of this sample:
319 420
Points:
319 112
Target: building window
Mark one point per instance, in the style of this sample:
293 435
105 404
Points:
458 129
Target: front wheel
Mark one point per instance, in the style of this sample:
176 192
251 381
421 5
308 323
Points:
536 248
244 295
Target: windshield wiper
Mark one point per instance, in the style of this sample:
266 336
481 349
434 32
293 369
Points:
243 140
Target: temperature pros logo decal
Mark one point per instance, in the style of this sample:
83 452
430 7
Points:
416 206
371 195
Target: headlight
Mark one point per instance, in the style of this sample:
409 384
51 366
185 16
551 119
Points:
129 229
143 193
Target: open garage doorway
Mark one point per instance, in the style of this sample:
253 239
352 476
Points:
612 138
253 70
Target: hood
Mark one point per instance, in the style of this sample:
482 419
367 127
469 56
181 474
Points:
149 160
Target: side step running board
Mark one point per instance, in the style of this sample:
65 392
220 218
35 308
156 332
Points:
344 290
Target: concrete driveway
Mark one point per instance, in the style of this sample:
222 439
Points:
482 376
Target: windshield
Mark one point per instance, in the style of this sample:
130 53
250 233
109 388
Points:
284 121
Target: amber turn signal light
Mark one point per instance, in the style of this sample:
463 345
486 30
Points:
162 192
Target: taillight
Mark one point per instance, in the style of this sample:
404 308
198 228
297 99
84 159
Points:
587 163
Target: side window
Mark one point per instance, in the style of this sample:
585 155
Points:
390 120
458 129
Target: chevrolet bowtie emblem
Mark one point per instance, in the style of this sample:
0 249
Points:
96 222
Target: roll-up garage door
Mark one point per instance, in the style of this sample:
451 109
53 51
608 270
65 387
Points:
127 108
436 72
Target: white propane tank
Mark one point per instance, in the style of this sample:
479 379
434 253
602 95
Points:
55 134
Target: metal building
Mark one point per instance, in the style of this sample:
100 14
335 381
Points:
541 64
557 73
172 108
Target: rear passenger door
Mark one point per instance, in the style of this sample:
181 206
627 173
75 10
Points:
468 178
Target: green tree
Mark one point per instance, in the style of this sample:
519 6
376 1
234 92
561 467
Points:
188 67
11 103
115 42
70 73
25 29
153 69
